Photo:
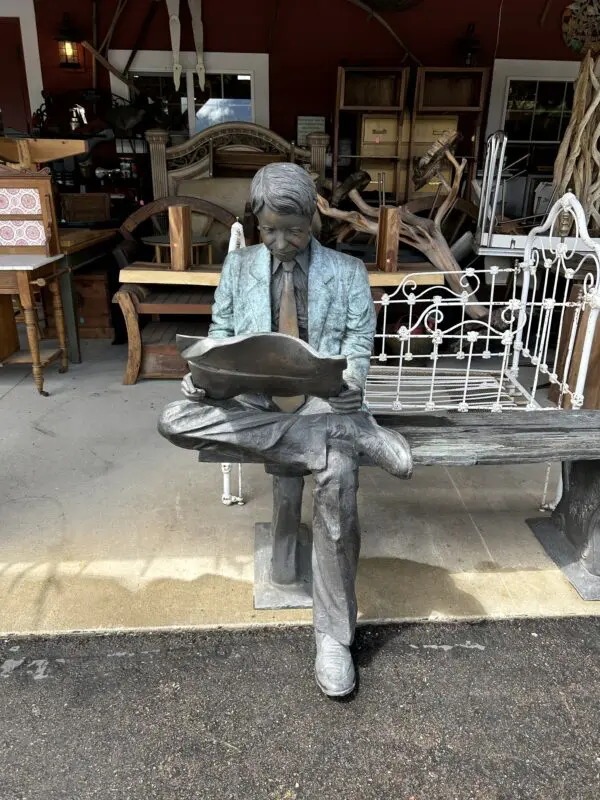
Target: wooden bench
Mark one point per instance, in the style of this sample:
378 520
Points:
152 352
156 289
571 535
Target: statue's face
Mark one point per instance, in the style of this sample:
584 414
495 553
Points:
284 235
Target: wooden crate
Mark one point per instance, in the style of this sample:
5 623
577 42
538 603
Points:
85 207
93 306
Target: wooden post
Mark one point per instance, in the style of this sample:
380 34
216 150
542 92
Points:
388 239
157 144
180 236
318 144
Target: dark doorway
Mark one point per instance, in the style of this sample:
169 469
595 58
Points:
15 115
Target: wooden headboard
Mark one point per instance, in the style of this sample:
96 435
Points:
232 149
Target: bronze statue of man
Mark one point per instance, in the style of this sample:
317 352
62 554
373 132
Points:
291 284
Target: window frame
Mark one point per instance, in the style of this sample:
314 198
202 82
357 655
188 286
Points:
160 62
513 69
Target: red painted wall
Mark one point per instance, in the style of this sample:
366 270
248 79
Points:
307 39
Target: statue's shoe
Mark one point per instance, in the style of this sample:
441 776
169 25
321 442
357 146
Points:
334 668
386 448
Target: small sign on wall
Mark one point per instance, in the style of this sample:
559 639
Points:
308 125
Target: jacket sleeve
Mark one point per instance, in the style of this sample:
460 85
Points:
222 325
357 344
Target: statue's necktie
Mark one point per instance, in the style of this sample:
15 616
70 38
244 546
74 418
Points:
288 323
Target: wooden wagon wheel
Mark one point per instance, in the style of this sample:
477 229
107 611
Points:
160 206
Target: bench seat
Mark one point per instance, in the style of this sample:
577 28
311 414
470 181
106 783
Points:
513 437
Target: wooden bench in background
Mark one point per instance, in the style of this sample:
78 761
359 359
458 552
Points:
154 289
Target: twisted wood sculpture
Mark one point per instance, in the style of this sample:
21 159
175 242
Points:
577 166
424 234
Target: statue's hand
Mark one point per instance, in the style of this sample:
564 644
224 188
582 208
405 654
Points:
349 400
190 391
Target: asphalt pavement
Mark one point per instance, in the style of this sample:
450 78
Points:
497 710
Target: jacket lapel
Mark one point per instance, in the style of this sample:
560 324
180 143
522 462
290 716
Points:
320 293
258 290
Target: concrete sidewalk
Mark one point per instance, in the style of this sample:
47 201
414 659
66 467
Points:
104 525
495 711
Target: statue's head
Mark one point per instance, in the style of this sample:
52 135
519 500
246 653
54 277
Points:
284 199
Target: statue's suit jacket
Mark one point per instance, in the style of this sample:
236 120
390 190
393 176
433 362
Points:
341 316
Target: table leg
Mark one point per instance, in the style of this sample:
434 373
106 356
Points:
31 327
210 254
59 321
157 254
67 293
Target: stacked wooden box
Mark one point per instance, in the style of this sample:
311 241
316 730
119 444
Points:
382 136
391 120
93 306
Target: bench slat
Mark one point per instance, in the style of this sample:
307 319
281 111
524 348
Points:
513 437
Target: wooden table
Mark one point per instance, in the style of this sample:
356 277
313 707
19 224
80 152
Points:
17 275
80 247
144 272
162 242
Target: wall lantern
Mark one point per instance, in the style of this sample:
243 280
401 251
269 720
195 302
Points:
70 52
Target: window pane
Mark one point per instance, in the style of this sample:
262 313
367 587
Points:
237 87
569 96
546 127
551 96
212 89
543 157
521 95
215 106
518 125
167 104
564 125
517 157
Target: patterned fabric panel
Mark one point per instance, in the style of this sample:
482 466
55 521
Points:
20 201
15 233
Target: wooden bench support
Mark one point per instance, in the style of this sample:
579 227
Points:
571 536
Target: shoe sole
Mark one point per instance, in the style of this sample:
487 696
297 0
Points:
344 693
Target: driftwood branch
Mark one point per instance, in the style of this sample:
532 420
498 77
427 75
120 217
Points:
425 235
452 195
419 232
359 222
362 205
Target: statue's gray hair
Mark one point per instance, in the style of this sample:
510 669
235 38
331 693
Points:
284 188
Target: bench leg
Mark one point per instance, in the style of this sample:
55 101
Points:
571 536
227 498
134 337
578 511
287 510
